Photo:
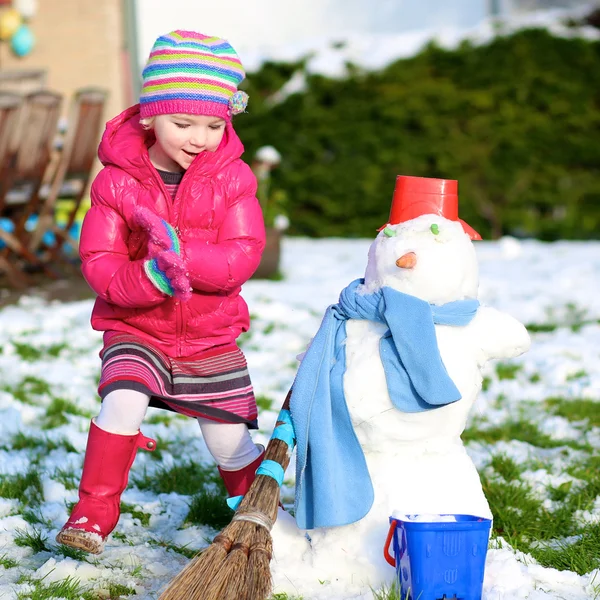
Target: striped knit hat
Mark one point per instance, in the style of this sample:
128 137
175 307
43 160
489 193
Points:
194 74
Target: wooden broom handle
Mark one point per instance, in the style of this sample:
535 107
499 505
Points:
277 450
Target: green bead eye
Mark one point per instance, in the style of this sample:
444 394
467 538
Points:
389 232
435 229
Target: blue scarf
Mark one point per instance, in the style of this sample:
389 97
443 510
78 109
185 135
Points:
333 486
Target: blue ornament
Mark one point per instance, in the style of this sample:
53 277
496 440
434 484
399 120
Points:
22 41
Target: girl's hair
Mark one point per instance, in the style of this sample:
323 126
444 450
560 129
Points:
147 123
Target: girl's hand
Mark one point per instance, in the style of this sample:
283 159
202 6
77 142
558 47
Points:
161 235
165 268
168 272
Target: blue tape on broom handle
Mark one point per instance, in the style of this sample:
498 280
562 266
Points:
234 502
273 469
285 433
285 416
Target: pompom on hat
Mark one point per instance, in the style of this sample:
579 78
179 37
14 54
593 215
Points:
194 74
416 196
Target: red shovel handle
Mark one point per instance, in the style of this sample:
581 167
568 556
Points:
386 549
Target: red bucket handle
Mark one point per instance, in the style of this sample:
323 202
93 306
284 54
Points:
386 549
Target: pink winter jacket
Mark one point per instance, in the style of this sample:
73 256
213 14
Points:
220 225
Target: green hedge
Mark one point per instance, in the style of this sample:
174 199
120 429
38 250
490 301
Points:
516 121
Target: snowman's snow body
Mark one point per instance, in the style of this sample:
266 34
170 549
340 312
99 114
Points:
417 461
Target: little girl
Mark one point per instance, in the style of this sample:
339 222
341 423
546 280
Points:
173 232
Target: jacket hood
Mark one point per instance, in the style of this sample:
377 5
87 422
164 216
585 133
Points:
125 145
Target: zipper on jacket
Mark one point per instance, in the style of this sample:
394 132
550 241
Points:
173 206
181 311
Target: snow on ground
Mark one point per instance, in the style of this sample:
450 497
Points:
537 283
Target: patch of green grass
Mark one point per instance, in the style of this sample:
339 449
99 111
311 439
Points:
35 517
264 402
66 589
589 472
506 467
514 508
7 562
560 493
575 410
392 592
500 401
160 418
30 386
576 317
116 590
67 478
74 553
20 441
522 520
162 446
134 511
582 557
535 378
34 539
244 338
188 479
20 486
30 353
577 375
521 430
27 352
507 370
55 349
57 411
285 597
541 327
183 550
277 276
209 508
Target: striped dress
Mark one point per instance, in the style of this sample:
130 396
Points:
214 384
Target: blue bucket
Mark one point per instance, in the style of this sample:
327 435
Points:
442 559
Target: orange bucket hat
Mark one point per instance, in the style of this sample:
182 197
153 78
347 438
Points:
416 196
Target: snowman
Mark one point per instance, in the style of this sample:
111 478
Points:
383 394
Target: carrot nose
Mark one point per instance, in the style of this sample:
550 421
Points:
407 261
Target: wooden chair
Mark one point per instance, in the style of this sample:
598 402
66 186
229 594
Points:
73 172
9 113
10 105
23 169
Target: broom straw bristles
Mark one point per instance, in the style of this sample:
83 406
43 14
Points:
229 582
192 577
236 565
259 573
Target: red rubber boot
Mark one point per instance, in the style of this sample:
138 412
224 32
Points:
238 482
108 458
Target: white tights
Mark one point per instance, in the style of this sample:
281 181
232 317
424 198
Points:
230 444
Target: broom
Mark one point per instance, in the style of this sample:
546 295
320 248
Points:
236 565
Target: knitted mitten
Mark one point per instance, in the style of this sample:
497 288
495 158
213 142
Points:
168 273
161 235
165 268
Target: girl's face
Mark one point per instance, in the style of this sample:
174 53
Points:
180 138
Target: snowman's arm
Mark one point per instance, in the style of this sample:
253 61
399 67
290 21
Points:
498 334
